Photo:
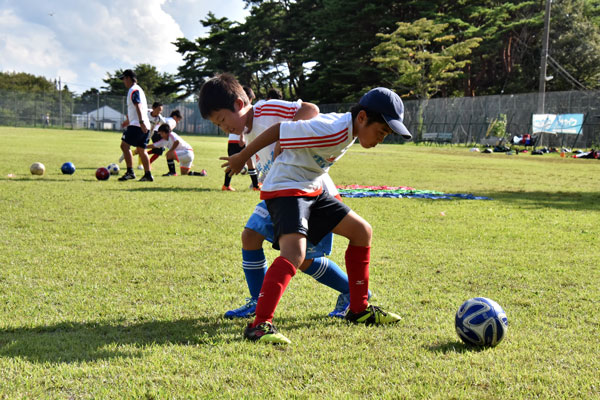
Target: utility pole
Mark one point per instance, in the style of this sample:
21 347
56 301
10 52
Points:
60 102
544 60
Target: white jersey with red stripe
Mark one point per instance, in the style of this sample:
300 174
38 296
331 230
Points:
136 93
157 121
266 114
309 148
168 143
233 138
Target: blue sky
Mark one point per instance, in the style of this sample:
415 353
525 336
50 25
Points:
80 41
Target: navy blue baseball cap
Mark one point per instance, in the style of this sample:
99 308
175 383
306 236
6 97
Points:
129 73
390 106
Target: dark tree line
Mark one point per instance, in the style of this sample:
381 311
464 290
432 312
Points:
326 51
322 50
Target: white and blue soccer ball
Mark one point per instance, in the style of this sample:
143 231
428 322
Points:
481 322
113 169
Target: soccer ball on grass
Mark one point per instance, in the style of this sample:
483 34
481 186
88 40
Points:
481 322
37 168
113 169
68 168
102 174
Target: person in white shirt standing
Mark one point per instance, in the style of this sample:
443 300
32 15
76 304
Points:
137 127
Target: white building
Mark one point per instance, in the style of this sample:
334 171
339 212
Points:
103 118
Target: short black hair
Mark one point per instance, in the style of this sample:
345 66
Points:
249 93
164 128
176 113
220 92
372 116
156 104
274 94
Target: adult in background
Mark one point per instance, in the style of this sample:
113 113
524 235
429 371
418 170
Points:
137 123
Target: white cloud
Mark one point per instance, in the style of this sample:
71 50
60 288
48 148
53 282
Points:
81 41
27 46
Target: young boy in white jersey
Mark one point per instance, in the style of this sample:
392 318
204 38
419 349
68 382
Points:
178 149
223 101
302 210
137 123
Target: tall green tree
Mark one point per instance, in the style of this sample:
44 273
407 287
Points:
223 50
344 34
422 58
509 52
574 45
156 85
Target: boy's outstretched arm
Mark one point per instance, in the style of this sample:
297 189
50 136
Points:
236 162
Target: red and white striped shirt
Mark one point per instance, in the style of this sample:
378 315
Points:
309 149
266 114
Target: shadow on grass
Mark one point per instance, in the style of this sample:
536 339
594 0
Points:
558 200
39 179
69 342
73 342
454 347
168 189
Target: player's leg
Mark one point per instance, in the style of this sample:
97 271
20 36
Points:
141 146
186 159
126 149
287 214
232 148
128 139
171 166
276 281
327 272
358 255
253 174
254 262
279 274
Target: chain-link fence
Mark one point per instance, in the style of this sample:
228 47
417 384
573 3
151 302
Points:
468 119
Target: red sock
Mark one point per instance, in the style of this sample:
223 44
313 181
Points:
153 158
276 280
357 267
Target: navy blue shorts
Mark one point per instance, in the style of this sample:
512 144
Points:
313 217
134 136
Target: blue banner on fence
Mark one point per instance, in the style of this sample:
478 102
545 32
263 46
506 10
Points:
569 124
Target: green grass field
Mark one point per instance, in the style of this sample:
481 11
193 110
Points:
117 289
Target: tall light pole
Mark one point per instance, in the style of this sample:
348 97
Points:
544 61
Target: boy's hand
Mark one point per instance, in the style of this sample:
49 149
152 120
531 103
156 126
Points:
234 164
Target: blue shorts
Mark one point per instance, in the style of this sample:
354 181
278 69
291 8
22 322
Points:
260 221
134 136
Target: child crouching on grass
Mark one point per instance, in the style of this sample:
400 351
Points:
179 150
301 209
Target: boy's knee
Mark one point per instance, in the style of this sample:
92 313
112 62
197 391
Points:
252 240
296 259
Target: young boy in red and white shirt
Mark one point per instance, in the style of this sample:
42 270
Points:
223 101
303 211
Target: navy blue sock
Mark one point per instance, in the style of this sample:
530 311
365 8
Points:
329 274
254 264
